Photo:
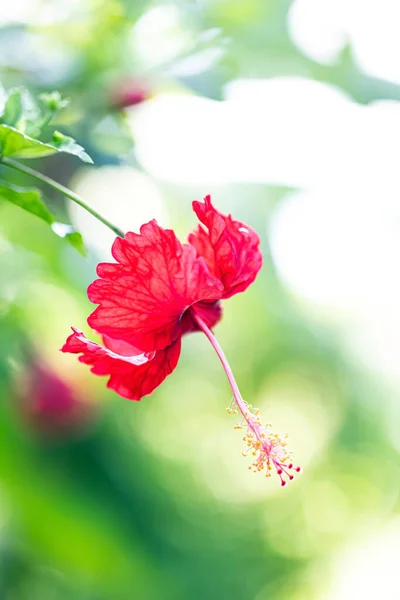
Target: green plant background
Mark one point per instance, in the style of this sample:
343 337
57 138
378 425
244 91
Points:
153 500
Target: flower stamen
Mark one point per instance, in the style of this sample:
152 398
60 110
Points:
268 449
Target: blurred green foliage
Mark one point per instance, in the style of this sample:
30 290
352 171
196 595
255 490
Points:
154 500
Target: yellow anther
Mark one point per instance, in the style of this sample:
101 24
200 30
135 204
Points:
268 449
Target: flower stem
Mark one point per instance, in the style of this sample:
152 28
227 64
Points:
224 361
9 162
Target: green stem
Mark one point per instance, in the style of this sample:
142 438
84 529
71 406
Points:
62 189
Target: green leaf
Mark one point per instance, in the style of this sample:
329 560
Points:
30 199
76 240
12 108
22 112
17 144
22 120
64 143
68 233
19 109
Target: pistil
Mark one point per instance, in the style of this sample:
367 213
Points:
268 449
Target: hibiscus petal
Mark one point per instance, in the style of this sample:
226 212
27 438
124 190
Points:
209 312
98 356
230 248
143 296
132 375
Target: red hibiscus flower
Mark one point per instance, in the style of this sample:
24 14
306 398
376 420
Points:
159 290
150 297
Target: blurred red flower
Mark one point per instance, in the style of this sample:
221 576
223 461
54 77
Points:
129 93
157 291
48 403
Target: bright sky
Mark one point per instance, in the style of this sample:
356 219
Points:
321 28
